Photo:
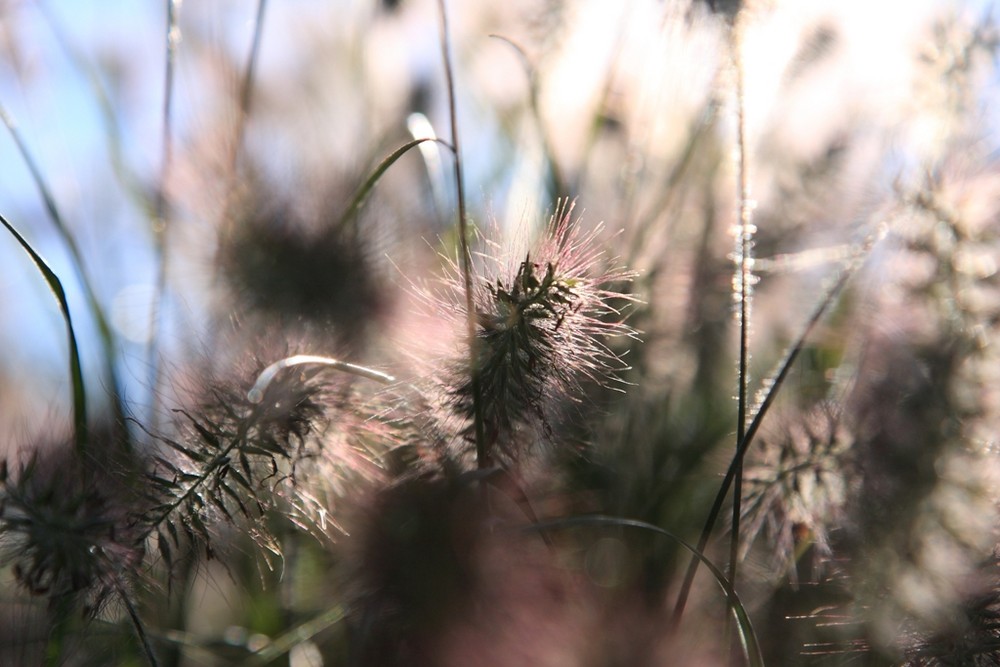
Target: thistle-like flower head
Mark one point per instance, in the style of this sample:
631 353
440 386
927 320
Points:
62 531
542 323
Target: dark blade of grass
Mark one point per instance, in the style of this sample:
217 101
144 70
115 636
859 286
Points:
783 369
748 637
75 371
137 625
482 454
361 195
745 278
105 331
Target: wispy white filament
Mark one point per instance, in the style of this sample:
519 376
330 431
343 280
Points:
256 393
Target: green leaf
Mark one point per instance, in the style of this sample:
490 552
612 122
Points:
75 370
104 329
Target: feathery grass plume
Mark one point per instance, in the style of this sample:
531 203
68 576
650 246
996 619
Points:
289 445
440 573
227 458
412 562
68 535
796 484
542 323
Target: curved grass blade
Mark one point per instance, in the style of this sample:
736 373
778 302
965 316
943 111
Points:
75 371
748 638
556 181
359 198
112 128
256 393
106 334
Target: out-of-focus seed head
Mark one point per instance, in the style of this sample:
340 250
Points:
796 484
65 529
301 270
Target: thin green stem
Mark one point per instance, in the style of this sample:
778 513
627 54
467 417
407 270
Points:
112 129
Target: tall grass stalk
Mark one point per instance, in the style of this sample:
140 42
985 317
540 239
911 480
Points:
482 455
161 213
744 282
247 85
773 386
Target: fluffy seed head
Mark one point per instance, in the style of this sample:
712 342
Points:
541 325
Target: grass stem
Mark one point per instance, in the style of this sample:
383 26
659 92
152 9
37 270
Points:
773 387
744 279
482 453
160 213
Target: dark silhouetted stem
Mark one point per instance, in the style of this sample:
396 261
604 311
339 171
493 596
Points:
482 453
745 277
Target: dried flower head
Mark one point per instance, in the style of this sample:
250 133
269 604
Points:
302 270
64 533
226 458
